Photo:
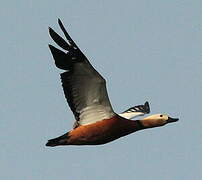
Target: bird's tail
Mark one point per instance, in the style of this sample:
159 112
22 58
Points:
61 140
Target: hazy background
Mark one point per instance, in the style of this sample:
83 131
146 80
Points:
147 50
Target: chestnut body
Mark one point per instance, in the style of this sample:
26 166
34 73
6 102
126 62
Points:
97 133
103 131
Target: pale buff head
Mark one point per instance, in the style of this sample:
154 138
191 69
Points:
157 120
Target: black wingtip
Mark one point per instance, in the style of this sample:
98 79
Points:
59 40
59 21
54 50
50 46
147 107
50 30
68 37
61 58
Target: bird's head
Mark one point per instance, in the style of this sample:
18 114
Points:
157 120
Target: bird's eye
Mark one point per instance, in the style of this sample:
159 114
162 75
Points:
161 115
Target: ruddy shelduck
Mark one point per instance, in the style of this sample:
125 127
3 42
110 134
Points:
85 90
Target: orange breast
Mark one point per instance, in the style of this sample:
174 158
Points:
102 131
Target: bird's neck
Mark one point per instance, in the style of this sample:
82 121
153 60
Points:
131 126
136 125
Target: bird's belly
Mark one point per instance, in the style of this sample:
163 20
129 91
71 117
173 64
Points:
98 133
94 138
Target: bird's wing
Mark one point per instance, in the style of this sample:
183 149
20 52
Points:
84 88
139 110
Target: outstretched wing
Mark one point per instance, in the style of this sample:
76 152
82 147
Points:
84 88
135 111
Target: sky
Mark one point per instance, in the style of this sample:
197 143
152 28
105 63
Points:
146 50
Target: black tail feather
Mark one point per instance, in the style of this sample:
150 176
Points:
62 140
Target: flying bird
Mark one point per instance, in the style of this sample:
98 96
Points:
85 91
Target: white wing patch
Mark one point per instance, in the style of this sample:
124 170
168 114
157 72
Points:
131 115
92 114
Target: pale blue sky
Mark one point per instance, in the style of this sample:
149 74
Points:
147 50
